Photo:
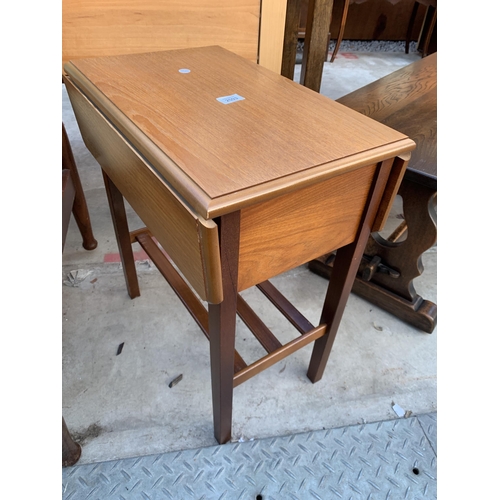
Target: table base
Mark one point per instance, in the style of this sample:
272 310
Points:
218 323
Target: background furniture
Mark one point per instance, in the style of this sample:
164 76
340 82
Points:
407 101
71 450
68 197
227 203
253 29
319 23
341 30
428 25
79 203
371 19
316 39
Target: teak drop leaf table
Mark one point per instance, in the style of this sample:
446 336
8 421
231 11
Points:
233 170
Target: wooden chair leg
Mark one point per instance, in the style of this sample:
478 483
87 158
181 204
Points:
430 29
119 216
71 450
68 198
344 271
341 30
222 328
80 209
411 23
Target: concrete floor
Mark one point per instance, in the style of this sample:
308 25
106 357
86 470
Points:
121 406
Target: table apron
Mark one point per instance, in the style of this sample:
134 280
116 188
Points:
292 229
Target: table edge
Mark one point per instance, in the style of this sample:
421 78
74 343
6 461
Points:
191 193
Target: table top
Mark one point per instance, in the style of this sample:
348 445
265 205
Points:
407 101
270 136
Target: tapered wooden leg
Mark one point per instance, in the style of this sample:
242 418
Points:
68 198
80 209
344 270
119 216
222 328
71 450
430 20
340 36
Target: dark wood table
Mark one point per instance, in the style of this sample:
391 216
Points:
405 100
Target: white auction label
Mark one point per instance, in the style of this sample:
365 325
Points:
228 99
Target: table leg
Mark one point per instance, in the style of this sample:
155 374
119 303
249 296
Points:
119 216
343 274
71 450
80 209
319 14
222 328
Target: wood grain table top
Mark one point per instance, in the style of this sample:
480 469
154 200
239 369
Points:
406 100
223 156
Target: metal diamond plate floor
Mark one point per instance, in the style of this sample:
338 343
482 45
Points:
395 459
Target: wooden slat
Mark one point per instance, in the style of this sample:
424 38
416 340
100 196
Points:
261 332
272 358
292 21
319 14
295 317
325 215
162 261
272 32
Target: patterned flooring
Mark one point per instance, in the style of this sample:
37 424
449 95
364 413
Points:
392 459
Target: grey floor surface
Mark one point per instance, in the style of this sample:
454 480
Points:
391 459
121 407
